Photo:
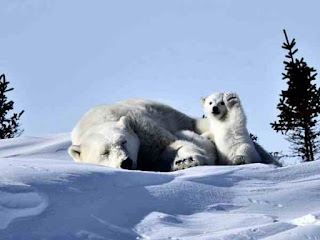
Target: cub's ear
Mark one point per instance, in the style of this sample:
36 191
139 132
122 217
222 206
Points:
203 100
74 151
123 122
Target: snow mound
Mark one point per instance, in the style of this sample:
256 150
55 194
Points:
45 195
18 202
306 220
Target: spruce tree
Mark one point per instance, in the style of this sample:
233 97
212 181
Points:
9 126
299 105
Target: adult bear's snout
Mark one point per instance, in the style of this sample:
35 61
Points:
127 164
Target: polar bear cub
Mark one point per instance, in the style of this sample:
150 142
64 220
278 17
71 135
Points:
228 129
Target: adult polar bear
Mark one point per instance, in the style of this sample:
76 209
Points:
141 134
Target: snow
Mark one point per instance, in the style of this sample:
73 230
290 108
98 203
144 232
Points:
45 195
306 220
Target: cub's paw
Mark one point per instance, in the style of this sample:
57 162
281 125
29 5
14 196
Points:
231 98
239 160
184 163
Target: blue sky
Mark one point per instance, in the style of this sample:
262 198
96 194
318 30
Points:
64 57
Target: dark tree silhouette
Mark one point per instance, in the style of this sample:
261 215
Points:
9 126
299 106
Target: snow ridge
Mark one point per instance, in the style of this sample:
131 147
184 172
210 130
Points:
45 195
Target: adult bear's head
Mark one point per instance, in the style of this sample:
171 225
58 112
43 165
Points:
114 145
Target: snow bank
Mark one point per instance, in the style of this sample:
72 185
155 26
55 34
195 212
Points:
45 195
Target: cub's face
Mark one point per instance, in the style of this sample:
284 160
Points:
214 106
114 146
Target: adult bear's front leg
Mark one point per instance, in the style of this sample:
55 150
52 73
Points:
187 155
160 150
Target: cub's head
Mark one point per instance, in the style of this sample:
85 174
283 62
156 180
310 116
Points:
214 106
115 145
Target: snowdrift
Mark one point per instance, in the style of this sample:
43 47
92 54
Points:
45 195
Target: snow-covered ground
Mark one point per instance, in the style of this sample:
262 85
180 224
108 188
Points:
45 195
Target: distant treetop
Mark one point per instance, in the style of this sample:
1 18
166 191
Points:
9 125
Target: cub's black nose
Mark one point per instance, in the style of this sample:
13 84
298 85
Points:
127 164
215 110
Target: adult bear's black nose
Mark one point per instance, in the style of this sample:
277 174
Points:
215 110
127 164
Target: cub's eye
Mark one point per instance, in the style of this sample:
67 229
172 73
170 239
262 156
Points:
222 103
123 142
210 103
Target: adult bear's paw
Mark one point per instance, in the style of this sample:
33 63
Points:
180 164
187 155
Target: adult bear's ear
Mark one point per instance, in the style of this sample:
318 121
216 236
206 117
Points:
203 100
74 151
123 122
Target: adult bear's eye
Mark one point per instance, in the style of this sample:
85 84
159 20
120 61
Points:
105 153
210 103
222 103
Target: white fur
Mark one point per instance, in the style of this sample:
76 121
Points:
105 144
203 150
228 129
140 130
